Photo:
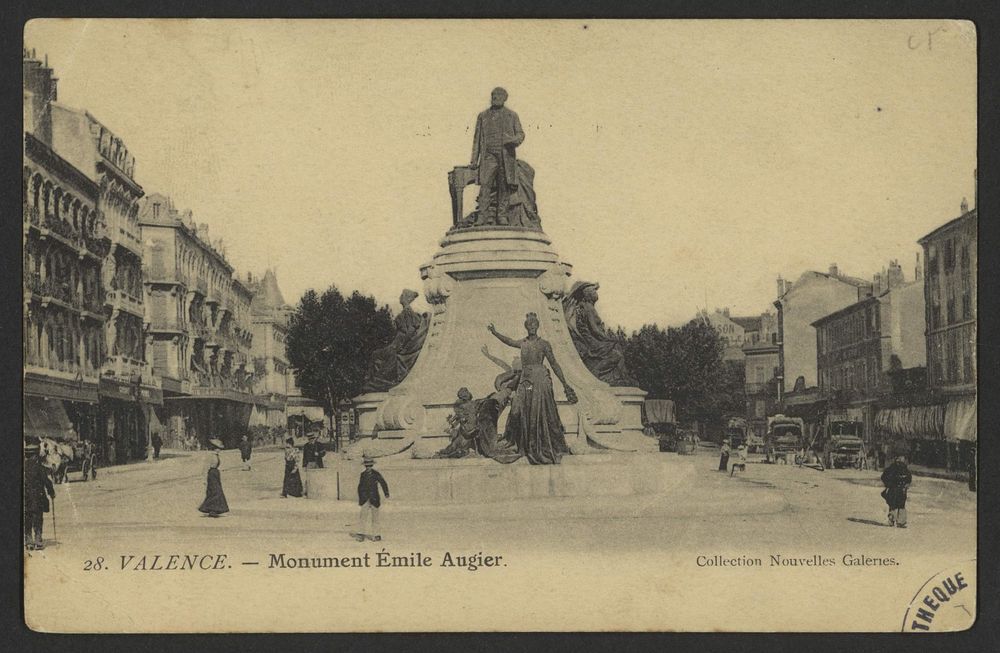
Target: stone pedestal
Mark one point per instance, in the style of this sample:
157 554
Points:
478 276
481 480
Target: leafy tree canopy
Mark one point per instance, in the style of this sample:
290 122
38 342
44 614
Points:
330 342
685 364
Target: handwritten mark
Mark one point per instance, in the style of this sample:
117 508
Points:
914 44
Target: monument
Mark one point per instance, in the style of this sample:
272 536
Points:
496 274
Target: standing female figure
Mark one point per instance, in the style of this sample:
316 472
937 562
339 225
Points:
215 499
292 484
534 426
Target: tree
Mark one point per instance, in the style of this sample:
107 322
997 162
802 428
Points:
330 342
685 364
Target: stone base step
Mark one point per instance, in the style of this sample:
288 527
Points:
482 480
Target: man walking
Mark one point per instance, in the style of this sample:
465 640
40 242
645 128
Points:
896 478
37 490
368 499
157 445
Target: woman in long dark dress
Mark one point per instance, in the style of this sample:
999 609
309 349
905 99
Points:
292 484
215 499
533 425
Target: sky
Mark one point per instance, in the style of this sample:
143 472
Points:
680 164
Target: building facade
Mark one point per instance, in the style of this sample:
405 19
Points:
129 387
271 372
65 243
861 345
799 304
735 331
200 328
950 292
760 352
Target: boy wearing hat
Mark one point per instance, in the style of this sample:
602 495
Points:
37 491
368 499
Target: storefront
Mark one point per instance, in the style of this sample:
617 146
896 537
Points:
124 420
60 408
914 431
47 418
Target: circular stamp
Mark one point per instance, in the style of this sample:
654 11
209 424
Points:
945 603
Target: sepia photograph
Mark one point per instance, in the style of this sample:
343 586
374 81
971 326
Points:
499 325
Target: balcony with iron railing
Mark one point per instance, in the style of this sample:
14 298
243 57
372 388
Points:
93 304
51 289
125 368
94 240
123 299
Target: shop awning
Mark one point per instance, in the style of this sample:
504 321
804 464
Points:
960 419
911 422
46 418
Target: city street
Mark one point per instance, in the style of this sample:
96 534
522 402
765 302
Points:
150 509
148 502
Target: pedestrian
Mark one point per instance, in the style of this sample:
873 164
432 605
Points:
246 448
157 445
368 499
872 458
724 458
896 478
313 452
292 484
880 454
37 491
112 450
739 459
215 499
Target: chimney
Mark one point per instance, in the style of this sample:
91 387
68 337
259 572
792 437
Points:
781 286
833 270
203 231
895 279
725 311
964 206
877 283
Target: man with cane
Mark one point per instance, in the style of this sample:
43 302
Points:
37 491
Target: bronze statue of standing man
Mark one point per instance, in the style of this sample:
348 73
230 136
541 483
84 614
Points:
498 133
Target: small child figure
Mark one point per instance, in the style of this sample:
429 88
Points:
739 460
368 499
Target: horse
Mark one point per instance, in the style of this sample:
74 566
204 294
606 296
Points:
58 457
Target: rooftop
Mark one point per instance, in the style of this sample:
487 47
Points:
968 215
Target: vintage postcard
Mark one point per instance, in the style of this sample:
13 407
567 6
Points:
499 325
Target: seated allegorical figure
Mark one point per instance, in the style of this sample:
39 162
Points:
600 350
392 363
474 423
462 427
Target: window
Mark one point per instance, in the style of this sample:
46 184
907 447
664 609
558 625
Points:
935 303
949 256
951 355
951 304
968 357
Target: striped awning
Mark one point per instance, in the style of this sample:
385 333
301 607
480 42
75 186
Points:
911 422
960 419
45 417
